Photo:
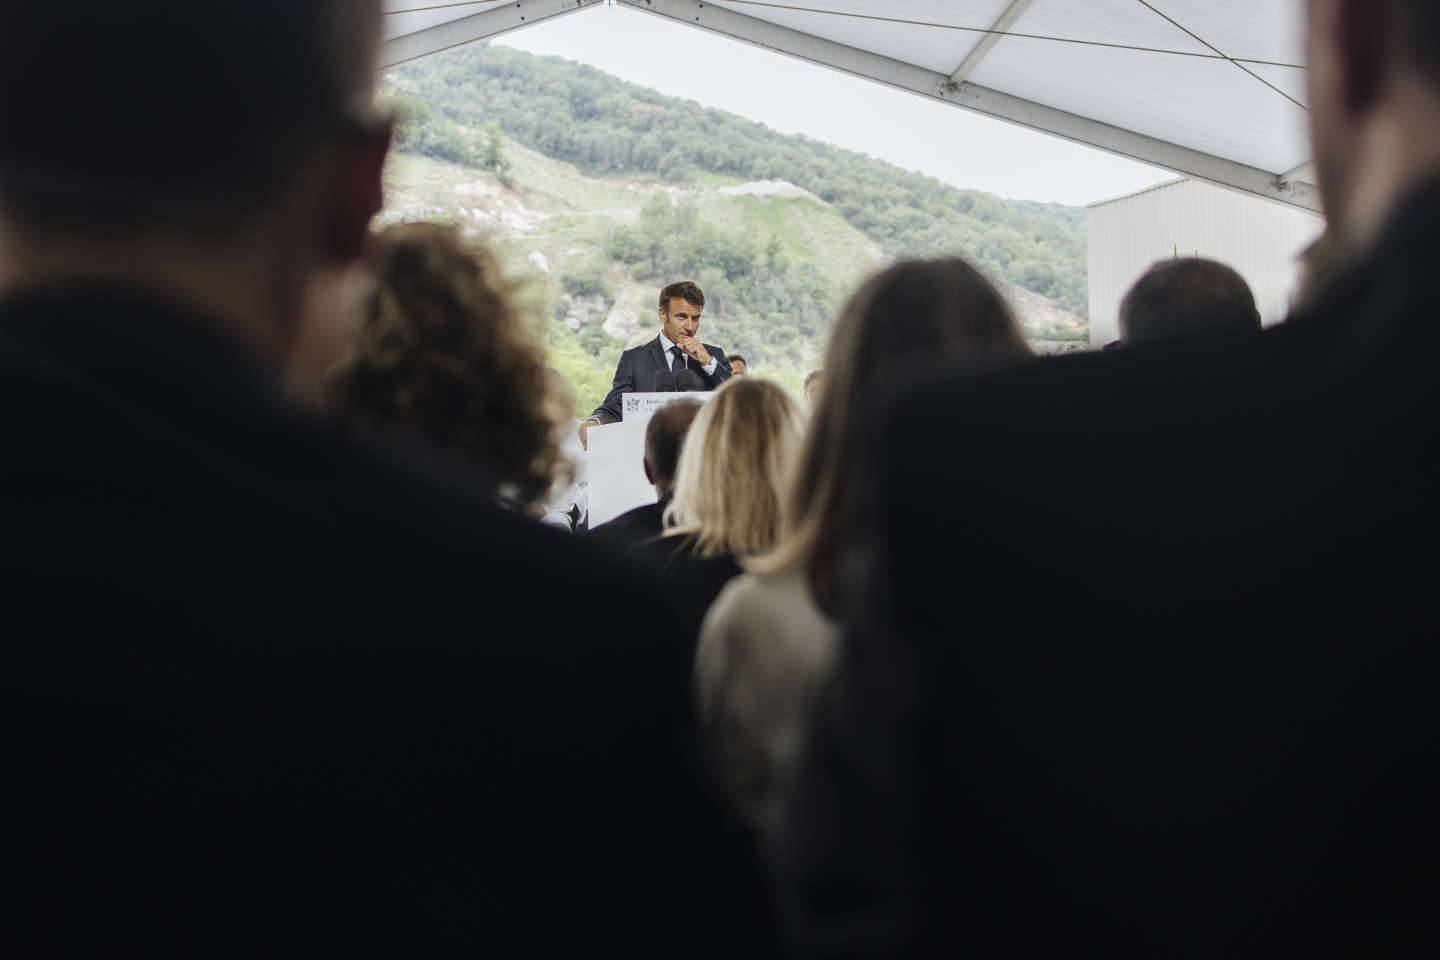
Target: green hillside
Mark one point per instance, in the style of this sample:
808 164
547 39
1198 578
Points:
606 126
581 250
591 232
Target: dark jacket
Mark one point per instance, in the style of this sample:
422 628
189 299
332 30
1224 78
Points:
1162 683
636 371
632 527
263 685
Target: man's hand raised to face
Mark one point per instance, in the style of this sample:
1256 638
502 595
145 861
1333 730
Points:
695 348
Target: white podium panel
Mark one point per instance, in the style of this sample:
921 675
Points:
615 462
615 466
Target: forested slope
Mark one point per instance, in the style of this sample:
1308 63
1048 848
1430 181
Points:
604 125
573 177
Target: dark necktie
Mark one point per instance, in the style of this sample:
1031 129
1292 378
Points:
678 363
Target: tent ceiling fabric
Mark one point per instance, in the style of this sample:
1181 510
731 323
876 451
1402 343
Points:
1179 104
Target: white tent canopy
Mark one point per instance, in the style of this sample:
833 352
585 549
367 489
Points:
1211 89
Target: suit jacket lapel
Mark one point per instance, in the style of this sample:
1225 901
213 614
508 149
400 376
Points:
662 361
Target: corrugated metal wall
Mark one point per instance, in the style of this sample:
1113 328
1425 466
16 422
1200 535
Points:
1258 238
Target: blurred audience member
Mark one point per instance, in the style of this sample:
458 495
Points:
812 386
1160 668
727 487
1185 298
335 305
268 689
664 438
567 507
739 366
443 354
1322 265
768 641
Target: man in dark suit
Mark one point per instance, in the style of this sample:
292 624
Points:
266 689
1168 689
677 350
664 436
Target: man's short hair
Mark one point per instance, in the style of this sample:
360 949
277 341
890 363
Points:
809 379
665 435
1186 298
117 115
685 290
738 358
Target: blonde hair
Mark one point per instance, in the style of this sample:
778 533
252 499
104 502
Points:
914 316
732 468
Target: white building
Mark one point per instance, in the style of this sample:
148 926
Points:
1259 238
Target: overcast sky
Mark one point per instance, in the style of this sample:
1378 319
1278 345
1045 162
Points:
962 148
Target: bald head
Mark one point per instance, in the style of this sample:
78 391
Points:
664 436
1187 298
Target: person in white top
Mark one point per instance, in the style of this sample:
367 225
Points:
771 637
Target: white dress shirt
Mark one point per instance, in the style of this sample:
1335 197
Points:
666 343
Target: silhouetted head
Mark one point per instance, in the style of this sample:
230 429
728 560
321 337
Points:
665 438
443 354
225 154
1186 298
911 318
176 114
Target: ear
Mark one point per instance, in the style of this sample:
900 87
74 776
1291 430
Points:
649 474
357 190
1362 32
662 315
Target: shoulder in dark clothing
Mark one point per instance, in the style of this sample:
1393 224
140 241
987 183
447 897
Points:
1162 680
694 581
632 527
321 692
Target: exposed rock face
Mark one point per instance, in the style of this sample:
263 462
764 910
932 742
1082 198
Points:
767 188
479 207
632 317
581 311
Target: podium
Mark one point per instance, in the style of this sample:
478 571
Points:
615 461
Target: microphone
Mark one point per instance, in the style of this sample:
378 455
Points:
688 379
665 381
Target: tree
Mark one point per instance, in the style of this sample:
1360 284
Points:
673 168
492 156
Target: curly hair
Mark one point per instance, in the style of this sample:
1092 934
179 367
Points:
443 353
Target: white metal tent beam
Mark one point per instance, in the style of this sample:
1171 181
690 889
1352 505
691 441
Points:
987 43
477 26
1305 170
993 103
